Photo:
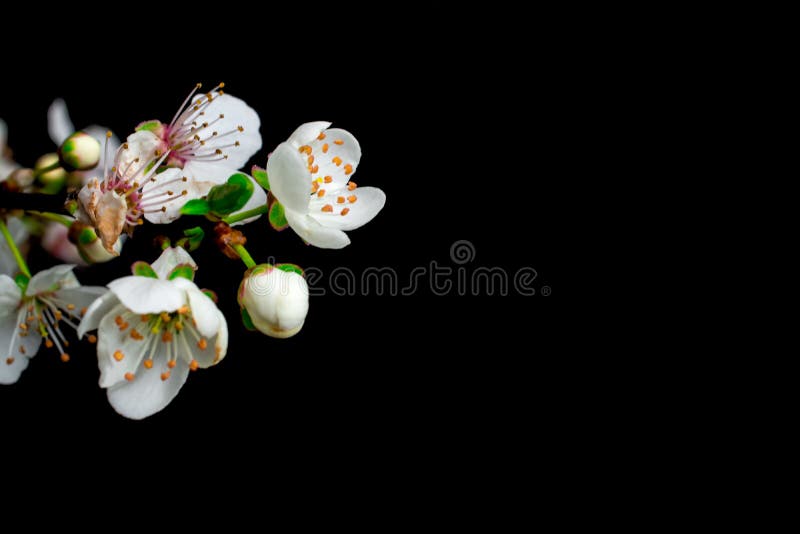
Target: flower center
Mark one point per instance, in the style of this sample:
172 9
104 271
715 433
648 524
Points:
175 331
43 317
329 174
194 136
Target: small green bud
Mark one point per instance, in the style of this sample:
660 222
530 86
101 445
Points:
80 152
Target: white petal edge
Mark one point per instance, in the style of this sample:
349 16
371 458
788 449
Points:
111 339
171 258
10 295
52 278
314 233
141 294
305 133
289 179
154 195
59 125
96 311
369 202
147 394
204 312
236 113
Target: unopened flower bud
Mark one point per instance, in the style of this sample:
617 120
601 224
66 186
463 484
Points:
90 247
80 152
276 300
51 177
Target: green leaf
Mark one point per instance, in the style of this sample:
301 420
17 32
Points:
248 322
231 196
197 206
210 294
22 281
194 236
277 217
260 176
183 270
290 268
142 268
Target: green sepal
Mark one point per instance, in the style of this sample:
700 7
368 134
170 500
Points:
194 236
277 217
210 294
196 206
142 268
183 270
231 196
260 176
87 236
290 268
22 281
150 126
248 322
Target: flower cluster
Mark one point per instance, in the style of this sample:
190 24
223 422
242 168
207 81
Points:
155 327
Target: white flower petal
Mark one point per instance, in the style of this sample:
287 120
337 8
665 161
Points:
147 393
307 132
236 113
111 340
142 145
216 347
289 179
141 294
314 233
258 198
337 156
59 125
15 347
10 373
208 174
276 300
96 312
171 258
51 279
80 298
221 342
160 206
204 312
10 295
369 201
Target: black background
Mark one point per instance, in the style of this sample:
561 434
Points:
471 133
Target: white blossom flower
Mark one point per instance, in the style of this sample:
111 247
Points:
134 189
210 139
52 297
275 299
152 329
310 176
